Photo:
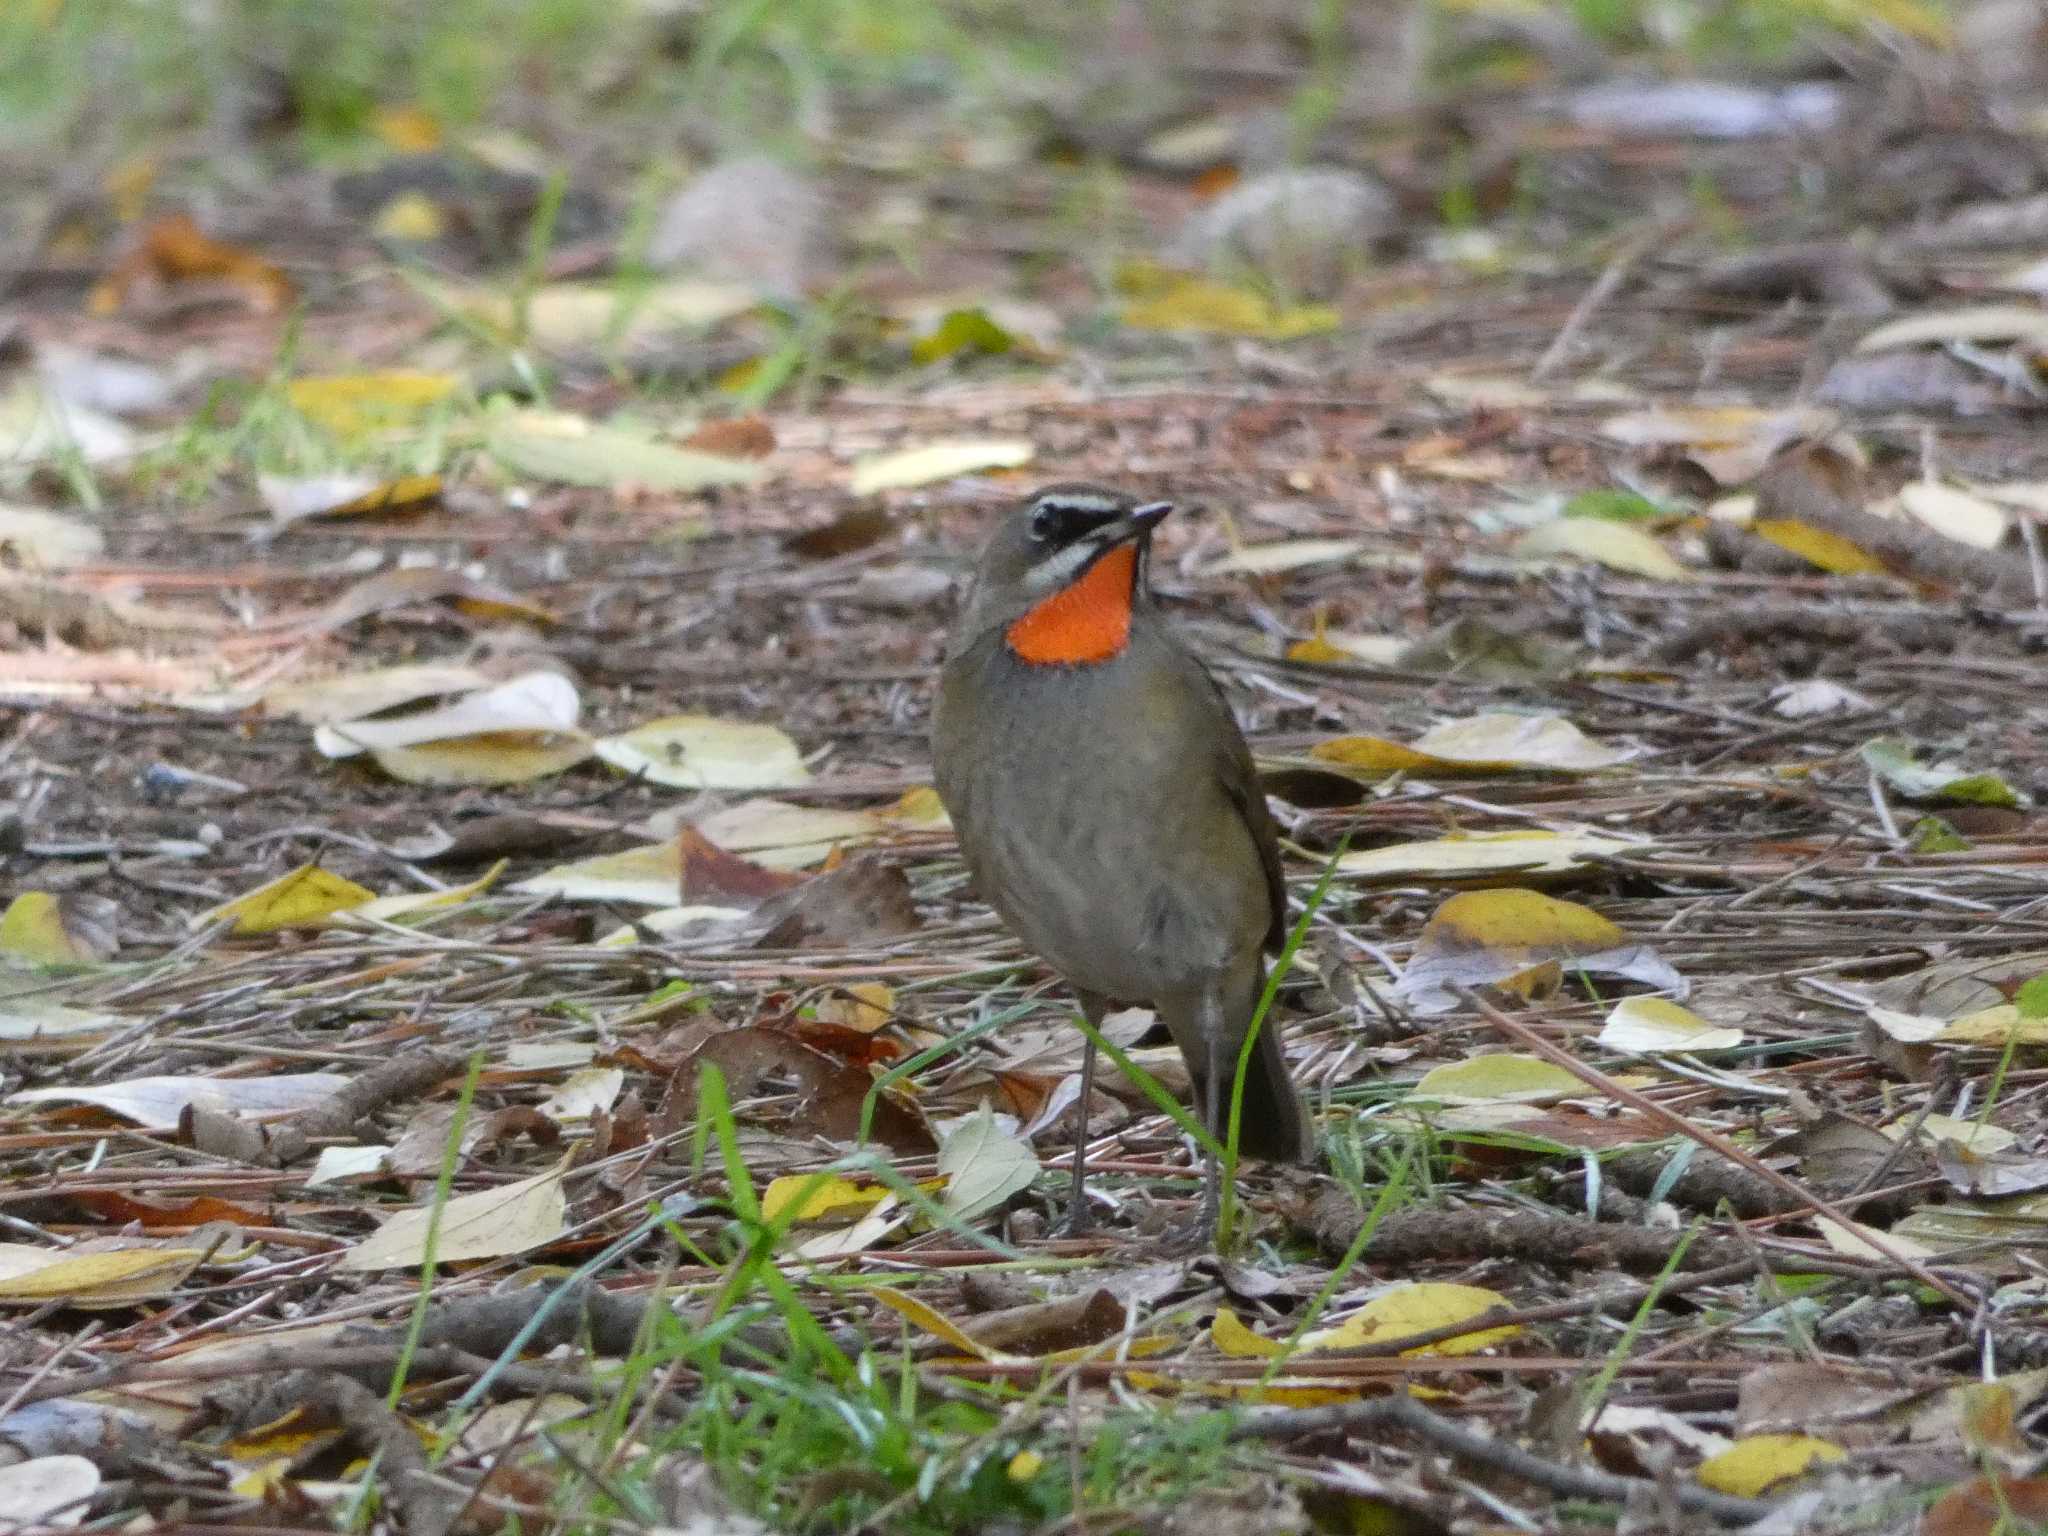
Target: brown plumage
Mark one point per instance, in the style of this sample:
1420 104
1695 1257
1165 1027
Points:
1107 805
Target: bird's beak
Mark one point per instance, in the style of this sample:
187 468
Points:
1137 523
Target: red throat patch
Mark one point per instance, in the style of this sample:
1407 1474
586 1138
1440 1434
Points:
1087 621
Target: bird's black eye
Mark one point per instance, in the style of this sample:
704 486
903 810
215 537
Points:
1044 523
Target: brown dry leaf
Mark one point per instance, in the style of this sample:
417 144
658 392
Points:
713 876
175 250
848 533
741 437
1982 1507
864 900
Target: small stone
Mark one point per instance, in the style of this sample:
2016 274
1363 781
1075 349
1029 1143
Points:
751 220
1307 229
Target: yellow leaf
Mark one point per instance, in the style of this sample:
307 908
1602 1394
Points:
1232 1338
411 130
650 876
490 757
1995 1026
31 1276
1418 1309
305 898
1657 1024
1024 1466
933 1323
1522 921
1756 1463
390 908
1498 1078
351 403
33 929
1203 305
920 807
809 1196
411 218
1817 546
1371 754
865 1006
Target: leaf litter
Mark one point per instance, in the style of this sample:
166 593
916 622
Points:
642 634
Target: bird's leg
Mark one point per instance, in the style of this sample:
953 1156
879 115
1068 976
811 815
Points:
1078 1220
1221 1062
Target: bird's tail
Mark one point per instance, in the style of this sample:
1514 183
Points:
1274 1123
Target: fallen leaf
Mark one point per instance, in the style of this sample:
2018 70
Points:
34 540
1954 514
390 909
26 1022
54 1492
1618 546
962 333
304 898
799 1197
174 249
157 1103
1981 323
290 498
422 584
938 461
1499 1077
650 875
1481 744
354 404
1479 938
489 1224
487 758
568 450
1282 555
1469 855
1818 546
1732 443
584 1093
541 701
704 752
69 930
1205 306
1756 1463
1644 1025
1418 1308
93 1277
1985 1506
983 1165
1894 762
358 695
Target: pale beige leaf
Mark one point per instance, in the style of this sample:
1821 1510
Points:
983 1165
704 752
48 1491
155 1103
938 461
1618 546
35 540
1282 555
1981 323
1533 741
542 700
1959 515
489 1224
1645 1025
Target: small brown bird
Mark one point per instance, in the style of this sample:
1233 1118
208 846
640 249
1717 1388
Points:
1107 806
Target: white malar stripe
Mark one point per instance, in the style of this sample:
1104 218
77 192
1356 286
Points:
1061 566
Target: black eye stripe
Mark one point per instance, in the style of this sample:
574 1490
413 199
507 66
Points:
1062 522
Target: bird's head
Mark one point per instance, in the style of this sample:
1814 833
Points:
1061 574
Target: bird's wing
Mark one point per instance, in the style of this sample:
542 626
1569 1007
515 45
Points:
1240 782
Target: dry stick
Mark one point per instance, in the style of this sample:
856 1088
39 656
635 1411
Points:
1572 1482
1713 1141
1603 289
